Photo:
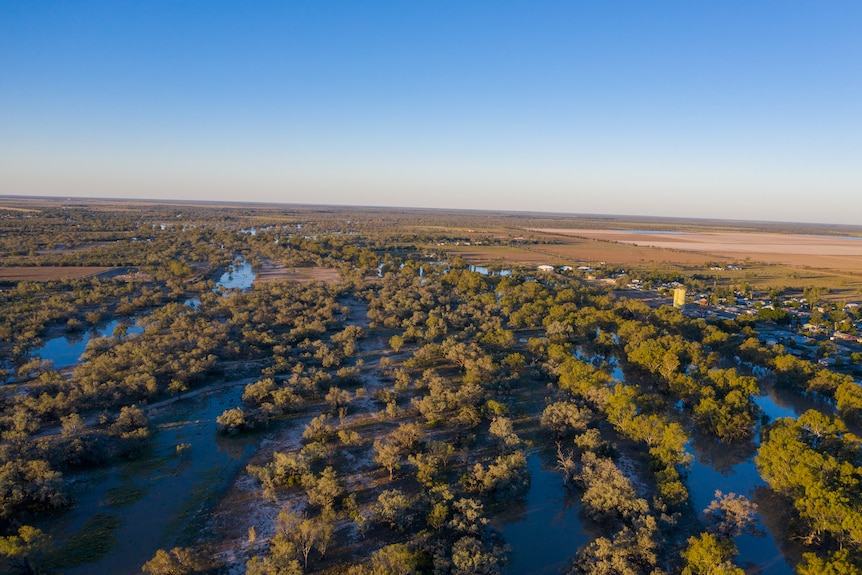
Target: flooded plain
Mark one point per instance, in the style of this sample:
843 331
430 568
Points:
122 514
162 498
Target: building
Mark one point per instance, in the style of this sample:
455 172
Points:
679 298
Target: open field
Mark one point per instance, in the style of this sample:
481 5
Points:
48 273
15 209
577 251
839 253
503 254
272 271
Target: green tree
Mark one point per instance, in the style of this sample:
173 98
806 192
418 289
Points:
393 508
387 454
395 559
396 342
323 490
471 557
707 554
25 548
835 563
177 561
731 515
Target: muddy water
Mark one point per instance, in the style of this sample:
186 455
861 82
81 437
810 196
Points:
544 529
162 498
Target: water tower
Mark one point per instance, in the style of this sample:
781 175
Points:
679 298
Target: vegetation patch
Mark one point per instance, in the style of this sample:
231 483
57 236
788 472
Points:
189 523
92 542
124 495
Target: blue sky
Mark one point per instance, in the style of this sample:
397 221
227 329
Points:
749 110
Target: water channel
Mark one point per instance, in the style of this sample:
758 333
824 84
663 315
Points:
544 530
732 470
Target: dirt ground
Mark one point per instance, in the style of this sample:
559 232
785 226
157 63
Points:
796 250
276 271
48 273
576 251
484 254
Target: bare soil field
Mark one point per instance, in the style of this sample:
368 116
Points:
67 250
795 250
487 254
575 250
14 209
275 271
49 273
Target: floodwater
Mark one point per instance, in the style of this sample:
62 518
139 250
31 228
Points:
732 470
162 498
240 276
544 529
486 272
65 351
703 480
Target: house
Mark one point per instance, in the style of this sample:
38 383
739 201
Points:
839 335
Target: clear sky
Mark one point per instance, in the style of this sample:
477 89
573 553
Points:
731 109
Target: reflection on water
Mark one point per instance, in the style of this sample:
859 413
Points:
239 276
483 270
742 479
719 456
65 351
778 402
544 529
773 410
731 469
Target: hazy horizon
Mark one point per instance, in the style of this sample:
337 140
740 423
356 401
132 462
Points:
731 111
